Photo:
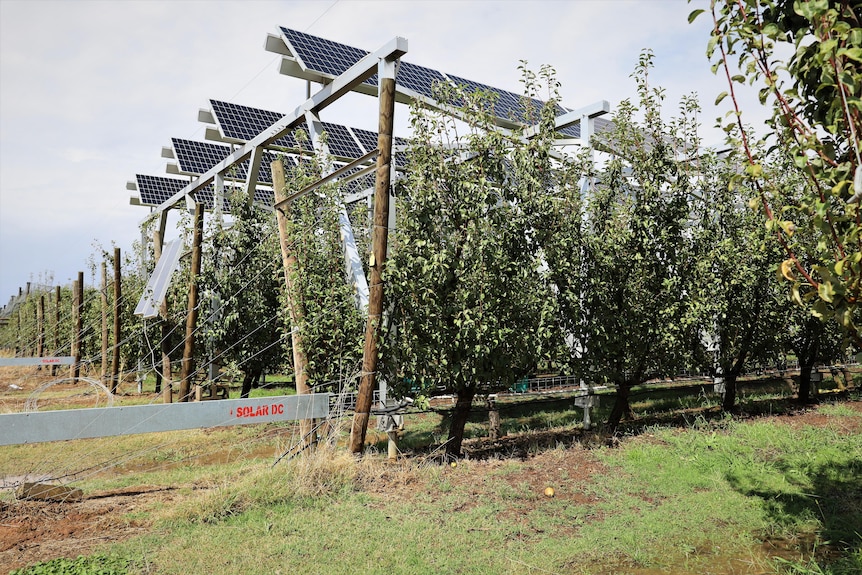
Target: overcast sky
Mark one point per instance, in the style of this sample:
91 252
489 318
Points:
91 91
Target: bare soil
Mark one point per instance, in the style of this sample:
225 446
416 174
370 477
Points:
34 531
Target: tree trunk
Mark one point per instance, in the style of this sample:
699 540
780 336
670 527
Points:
187 370
622 408
728 402
459 419
247 380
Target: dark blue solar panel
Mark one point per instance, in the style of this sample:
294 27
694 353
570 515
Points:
324 56
206 196
507 104
340 141
243 123
264 174
367 138
418 78
199 157
573 131
359 184
156 190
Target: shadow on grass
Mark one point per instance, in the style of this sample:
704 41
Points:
828 495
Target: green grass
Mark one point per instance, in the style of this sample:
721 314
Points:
94 565
720 496
700 500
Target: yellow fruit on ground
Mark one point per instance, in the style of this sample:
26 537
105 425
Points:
549 491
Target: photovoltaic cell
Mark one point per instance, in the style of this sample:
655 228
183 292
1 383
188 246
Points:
507 105
367 138
243 123
264 196
199 157
418 78
207 197
156 190
324 56
340 141
329 58
264 174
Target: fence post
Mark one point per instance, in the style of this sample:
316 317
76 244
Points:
188 371
379 239
115 363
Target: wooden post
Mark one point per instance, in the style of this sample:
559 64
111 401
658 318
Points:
493 418
115 361
55 367
40 327
187 372
379 239
104 290
78 324
294 300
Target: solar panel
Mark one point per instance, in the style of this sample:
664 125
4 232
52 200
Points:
206 196
340 141
264 175
331 59
367 138
199 157
243 123
507 105
359 184
324 56
418 78
573 131
156 190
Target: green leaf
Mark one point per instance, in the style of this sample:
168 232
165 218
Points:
694 14
720 97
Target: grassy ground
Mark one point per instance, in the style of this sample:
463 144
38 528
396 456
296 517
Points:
765 495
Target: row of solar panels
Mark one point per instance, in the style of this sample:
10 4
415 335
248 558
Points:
322 60
238 124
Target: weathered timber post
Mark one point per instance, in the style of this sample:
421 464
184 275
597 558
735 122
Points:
40 327
115 361
493 418
55 367
379 239
104 293
187 372
78 324
294 301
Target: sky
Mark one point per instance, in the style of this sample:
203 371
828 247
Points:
90 91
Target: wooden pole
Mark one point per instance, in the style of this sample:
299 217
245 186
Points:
57 292
379 239
115 362
78 324
294 300
187 372
104 290
40 327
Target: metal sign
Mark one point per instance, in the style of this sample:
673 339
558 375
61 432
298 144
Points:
17 361
42 426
